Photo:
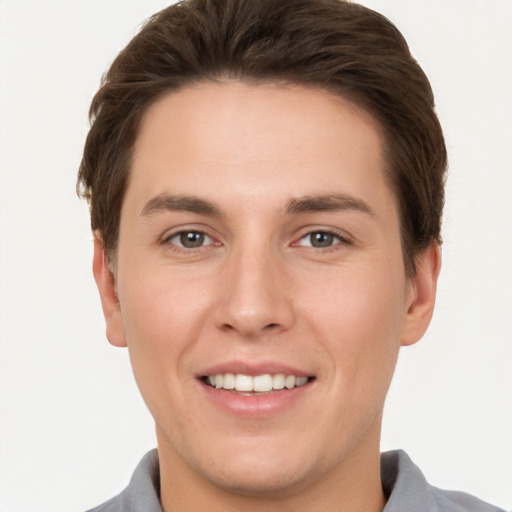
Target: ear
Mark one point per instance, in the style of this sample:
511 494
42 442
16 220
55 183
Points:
423 289
106 284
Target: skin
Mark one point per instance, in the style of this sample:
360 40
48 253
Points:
258 292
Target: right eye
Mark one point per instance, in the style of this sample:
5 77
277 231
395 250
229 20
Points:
189 239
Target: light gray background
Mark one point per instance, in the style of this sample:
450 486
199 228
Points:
72 426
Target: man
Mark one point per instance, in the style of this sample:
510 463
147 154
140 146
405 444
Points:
266 188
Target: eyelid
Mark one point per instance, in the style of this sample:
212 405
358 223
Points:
175 232
207 238
343 237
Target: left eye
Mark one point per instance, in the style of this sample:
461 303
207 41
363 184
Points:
320 239
190 239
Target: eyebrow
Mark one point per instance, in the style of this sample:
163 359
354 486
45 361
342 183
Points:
327 203
299 205
178 203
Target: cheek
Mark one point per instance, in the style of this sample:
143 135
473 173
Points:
163 319
355 301
161 309
162 323
359 317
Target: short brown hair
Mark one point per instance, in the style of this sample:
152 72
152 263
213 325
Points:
330 44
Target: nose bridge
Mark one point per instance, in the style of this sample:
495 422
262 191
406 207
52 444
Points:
255 299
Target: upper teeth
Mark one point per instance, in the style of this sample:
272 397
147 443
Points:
258 383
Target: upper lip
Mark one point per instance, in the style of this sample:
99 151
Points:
253 369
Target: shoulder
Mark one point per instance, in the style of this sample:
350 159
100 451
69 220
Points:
142 493
462 502
112 505
407 489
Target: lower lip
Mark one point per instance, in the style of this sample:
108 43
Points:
255 406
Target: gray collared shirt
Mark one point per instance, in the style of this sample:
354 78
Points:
402 481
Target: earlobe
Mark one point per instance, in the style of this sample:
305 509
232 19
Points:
106 284
423 295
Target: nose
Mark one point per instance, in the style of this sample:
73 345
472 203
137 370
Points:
256 296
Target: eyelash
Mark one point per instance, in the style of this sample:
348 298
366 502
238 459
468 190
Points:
179 246
337 240
205 240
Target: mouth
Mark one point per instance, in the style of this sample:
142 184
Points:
255 384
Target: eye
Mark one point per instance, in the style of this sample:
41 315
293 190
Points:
190 239
320 239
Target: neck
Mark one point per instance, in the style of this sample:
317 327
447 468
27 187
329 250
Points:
355 485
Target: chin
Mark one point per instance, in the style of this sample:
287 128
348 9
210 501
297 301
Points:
259 466
266 479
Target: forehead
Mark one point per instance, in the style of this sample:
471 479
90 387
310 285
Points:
242 139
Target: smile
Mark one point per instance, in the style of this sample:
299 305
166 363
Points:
255 384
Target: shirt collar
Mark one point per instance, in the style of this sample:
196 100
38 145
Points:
404 484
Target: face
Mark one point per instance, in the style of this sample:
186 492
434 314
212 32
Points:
260 285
